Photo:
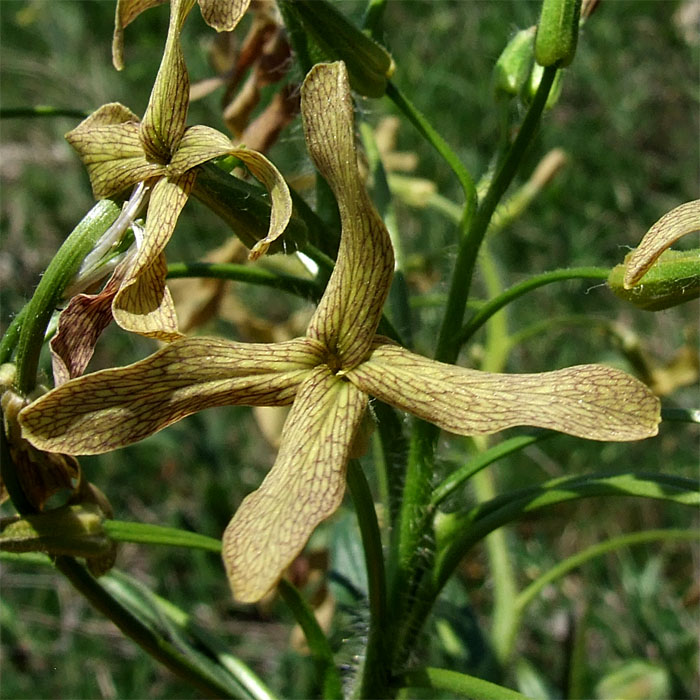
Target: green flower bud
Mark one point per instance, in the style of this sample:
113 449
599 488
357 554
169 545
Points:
557 32
513 65
673 279
369 64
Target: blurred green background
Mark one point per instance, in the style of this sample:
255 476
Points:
628 122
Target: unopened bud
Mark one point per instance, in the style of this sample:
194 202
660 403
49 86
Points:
557 32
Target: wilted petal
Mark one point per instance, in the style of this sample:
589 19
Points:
80 324
664 233
127 12
143 304
223 15
164 121
109 146
351 307
305 486
589 401
105 410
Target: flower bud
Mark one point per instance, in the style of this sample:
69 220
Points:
513 65
673 279
557 32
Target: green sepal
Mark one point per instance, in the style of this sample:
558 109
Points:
368 63
245 208
557 32
533 83
673 279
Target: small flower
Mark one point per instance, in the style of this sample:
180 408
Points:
119 151
328 377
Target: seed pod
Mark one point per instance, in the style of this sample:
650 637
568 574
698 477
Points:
557 32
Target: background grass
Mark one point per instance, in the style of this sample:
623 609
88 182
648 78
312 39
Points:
628 121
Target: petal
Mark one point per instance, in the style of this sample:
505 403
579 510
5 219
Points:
105 410
589 401
80 324
127 12
349 311
305 486
202 143
223 15
143 304
109 146
164 121
665 232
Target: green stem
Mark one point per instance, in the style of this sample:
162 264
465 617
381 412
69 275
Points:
438 143
156 646
316 639
375 674
124 531
374 15
48 293
41 111
308 289
11 336
449 339
458 684
518 290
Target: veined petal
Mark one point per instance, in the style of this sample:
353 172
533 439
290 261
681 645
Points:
105 410
202 143
305 486
679 222
589 401
127 12
351 307
223 15
143 304
164 121
109 146
80 324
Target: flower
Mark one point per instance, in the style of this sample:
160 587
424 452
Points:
119 151
327 376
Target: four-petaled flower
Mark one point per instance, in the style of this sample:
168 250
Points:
120 151
328 376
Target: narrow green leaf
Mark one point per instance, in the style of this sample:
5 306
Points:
458 683
145 533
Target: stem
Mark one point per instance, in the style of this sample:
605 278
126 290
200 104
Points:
42 111
316 639
518 290
438 143
449 339
376 671
308 289
9 340
156 646
48 293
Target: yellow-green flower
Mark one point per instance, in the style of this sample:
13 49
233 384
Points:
119 151
328 376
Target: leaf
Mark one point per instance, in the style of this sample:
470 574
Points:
304 487
351 307
105 410
589 401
